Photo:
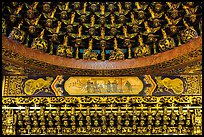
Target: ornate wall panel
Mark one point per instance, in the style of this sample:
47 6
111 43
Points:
91 115
62 85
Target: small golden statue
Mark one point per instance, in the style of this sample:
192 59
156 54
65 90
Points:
102 14
18 34
92 21
173 9
154 14
32 10
102 8
88 53
39 43
155 17
33 24
121 13
65 50
125 31
91 26
50 18
166 43
157 6
85 4
14 13
55 32
150 30
46 7
191 13
72 17
78 40
142 49
64 8
135 23
139 6
189 33
10 123
172 24
117 53
70 22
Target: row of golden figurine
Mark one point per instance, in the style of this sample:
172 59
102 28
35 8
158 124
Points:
117 53
102 121
155 10
190 10
32 20
120 115
87 130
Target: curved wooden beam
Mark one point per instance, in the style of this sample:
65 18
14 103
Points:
101 65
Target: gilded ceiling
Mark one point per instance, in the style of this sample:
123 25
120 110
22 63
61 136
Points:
105 35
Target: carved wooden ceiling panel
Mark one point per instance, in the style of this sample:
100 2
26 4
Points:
110 38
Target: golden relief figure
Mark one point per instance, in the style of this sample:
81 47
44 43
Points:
142 49
88 53
14 69
14 13
39 43
31 10
189 33
18 34
55 32
64 10
65 50
166 43
50 18
172 24
70 22
9 123
176 85
31 85
117 53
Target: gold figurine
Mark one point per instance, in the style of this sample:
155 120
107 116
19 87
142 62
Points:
102 8
189 33
117 53
39 43
142 49
166 43
18 34
10 128
150 30
172 24
65 50
88 53
33 24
